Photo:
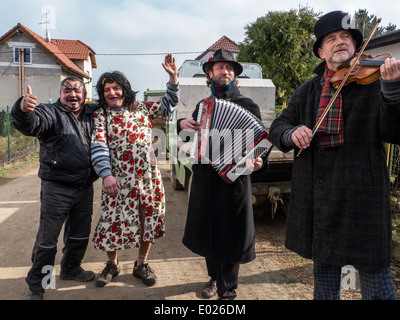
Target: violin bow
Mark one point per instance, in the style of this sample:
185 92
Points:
339 88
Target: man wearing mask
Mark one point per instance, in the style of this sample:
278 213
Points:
64 132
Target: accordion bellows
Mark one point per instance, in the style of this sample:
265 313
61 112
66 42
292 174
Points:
228 136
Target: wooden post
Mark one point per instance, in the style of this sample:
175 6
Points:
9 134
21 72
20 57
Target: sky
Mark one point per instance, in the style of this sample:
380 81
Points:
132 36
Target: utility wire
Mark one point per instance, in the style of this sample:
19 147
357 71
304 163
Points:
8 67
117 54
145 54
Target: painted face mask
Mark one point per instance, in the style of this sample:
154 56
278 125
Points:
78 86
72 95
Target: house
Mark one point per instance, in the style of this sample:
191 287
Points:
28 59
194 68
385 43
223 43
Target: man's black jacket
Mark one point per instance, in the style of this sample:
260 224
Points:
64 141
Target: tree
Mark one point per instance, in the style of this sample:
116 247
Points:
365 23
281 42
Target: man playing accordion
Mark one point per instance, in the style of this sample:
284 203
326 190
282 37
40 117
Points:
220 223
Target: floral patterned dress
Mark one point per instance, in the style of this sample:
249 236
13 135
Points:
134 165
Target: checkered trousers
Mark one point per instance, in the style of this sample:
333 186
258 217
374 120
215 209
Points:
375 284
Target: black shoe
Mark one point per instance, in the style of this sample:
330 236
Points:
145 273
82 276
34 296
109 272
210 289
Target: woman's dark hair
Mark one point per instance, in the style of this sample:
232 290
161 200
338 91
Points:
118 77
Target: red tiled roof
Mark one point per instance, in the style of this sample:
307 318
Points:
225 43
52 49
75 50
222 43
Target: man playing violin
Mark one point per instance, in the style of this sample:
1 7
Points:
339 211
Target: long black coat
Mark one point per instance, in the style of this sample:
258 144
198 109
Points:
219 223
339 211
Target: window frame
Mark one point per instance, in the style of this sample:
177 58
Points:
26 49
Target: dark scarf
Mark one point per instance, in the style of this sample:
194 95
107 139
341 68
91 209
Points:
219 90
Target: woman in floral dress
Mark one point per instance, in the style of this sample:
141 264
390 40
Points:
133 200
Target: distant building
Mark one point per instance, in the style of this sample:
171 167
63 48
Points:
153 95
193 68
385 43
28 59
223 43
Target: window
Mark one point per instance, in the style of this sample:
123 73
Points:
27 54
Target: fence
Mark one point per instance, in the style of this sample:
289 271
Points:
394 169
13 144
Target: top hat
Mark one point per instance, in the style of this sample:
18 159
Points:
222 55
334 21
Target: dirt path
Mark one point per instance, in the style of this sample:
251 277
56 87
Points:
276 274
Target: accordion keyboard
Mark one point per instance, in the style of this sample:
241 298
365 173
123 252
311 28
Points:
228 136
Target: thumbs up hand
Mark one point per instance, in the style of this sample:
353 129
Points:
29 102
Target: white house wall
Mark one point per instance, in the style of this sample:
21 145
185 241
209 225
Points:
44 74
87 67
393 49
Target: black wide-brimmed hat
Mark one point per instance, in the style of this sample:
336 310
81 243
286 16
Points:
334 21
222 55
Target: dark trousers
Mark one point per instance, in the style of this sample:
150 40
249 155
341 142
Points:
59 204
226 276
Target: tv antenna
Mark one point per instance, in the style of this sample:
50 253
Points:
49 20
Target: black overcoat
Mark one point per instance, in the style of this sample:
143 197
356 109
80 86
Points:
339 211
219 223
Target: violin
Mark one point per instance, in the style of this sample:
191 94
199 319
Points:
365 72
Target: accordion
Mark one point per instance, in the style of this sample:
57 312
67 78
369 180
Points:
228 136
